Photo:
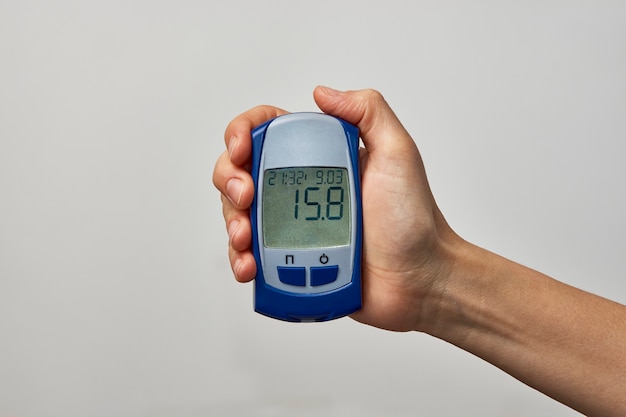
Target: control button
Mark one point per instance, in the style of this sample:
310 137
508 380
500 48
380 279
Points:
292 275
321 275
324 259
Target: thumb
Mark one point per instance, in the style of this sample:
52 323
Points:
379 127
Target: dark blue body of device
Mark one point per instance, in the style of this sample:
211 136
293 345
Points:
305 306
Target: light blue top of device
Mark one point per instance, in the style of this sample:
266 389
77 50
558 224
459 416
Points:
306 217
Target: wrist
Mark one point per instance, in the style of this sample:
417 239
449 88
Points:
457 301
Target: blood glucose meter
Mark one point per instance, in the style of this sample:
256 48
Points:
306 217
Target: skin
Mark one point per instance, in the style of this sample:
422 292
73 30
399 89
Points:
419 275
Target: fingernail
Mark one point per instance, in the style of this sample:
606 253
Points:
234 190
232 144
237 267
232 229
329 91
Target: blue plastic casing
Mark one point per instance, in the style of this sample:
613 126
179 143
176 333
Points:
305 306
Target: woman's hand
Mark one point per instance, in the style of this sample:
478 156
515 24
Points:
405 238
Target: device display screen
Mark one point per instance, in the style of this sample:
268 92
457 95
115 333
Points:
306 207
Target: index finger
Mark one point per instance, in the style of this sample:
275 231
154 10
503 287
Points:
237 134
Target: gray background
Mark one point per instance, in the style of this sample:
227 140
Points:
116 298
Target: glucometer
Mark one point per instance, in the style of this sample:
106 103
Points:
306 217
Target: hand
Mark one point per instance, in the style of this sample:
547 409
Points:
419 275
406 241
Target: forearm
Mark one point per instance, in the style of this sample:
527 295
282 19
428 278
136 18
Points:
567 343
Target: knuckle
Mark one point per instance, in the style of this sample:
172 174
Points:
371 95
218 171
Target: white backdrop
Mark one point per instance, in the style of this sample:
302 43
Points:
116 298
